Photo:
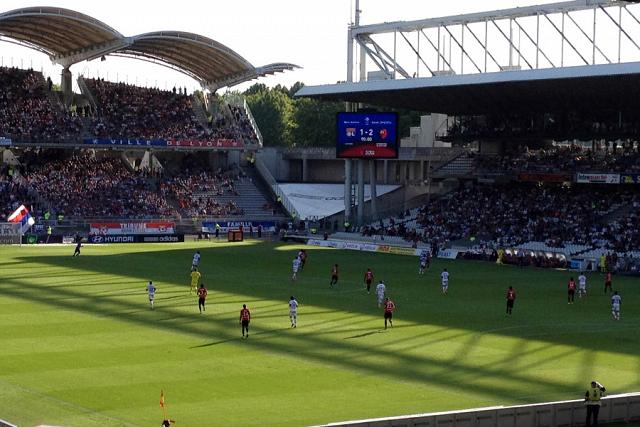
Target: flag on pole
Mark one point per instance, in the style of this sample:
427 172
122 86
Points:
161 398
22 217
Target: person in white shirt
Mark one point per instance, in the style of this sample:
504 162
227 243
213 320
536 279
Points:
293 312
381 290
582 285
151 290
295 267
444 276
196 260
616 301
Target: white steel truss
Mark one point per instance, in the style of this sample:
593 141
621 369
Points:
579 32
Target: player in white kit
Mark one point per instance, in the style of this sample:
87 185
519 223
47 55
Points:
151 290
582 285
196 260
381 290
444 276
293 312
424 262
616 301
296 267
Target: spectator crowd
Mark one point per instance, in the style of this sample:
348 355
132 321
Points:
605 158
27 113
508 216
86 185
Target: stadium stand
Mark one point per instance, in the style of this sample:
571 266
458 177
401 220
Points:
27 113
583 221
86 185
97 184
605 158
128 111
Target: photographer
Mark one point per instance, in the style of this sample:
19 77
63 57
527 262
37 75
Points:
592 400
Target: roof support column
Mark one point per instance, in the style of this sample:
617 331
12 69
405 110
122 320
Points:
67 86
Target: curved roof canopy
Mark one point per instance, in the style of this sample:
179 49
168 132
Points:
69 37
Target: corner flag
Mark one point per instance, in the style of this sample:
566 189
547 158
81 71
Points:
22 216
161 398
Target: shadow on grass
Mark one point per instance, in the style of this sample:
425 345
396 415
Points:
233 262
397 365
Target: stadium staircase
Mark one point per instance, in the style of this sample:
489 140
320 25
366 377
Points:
253 191
460 165
199 111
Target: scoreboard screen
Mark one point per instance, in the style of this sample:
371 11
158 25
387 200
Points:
367 135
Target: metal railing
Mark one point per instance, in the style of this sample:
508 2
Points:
241 102
84 89
617 408
275 187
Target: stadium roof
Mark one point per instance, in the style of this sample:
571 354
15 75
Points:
69 37
592 87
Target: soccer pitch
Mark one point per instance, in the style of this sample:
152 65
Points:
80 346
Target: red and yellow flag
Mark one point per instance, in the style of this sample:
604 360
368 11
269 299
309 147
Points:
161 398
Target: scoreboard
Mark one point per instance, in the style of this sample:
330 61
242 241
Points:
367 135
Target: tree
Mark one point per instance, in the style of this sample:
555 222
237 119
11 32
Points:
273 112
315 122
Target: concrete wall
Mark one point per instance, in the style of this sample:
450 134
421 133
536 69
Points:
325 171
568 413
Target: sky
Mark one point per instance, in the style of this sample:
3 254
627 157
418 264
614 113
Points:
311 34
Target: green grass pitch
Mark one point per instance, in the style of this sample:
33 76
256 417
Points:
79 345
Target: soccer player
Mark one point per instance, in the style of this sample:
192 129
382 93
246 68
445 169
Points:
571 288
607 282
616 301
389 306
76 252
582 285
202 296
511 298
293 312
303 257
195 278
196 260
444 276
381 289
151 290
296 266
368 278
245 318
424 262
334 275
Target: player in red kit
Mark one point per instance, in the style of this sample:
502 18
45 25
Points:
607 282
202 296
368 278
389 306
334 275
245 318
511 298
571 288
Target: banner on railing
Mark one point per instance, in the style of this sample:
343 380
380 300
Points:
630 178
5 142
543 177
194 143
137 238
224 226
363 246
181 143
598 178
120 228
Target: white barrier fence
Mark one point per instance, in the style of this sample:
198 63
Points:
617 408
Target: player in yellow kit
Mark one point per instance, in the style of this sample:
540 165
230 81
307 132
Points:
195 278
